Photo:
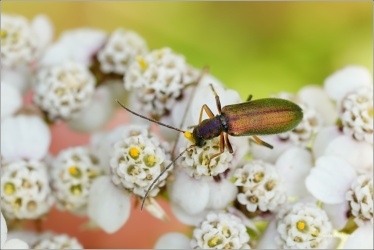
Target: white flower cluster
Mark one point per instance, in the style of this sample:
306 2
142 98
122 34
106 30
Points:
120 51
72 174
137 160
220 231
64 90
57 241
158 79
25 190
303 226
260 187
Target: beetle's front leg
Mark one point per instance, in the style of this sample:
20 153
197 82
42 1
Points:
207 110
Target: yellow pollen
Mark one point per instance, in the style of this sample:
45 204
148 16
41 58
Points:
300 225
371 112
3 34
141 62
189 136
9 188
134 152
75 172
151 160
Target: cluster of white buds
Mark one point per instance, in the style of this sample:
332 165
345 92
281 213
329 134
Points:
72 173
260 187
25 190
360 197
63 90
18 41
357 114
198 163
120 51
220 231
159 79
137 160
56 241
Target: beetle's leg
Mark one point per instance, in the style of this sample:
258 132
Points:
228 143
218 102
261 142
249 98
221 148
207 110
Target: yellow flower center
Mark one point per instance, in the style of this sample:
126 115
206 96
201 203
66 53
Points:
76 190
150 160
370 112
214 241
258 177
134 152
300 225
3 34
75 172
9 188
142 62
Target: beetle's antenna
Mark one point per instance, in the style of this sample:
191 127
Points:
149 119
163 171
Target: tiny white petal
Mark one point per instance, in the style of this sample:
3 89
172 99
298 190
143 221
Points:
323 138
358 154
329 180
361 238
317 98
190 194
108 205
15 244
11 99
24 137
293 166
221 194
173 241
4 231
337 214
95 115
43 28
345 80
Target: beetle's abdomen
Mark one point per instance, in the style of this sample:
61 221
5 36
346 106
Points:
262 117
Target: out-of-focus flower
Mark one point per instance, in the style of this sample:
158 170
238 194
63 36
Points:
18 76
10 243
357 114
18 41
25 190
64 90
158 80
220 231
173 241
57 241
11 99
72 173
120 51
24 137
79 45
137 160
260 187
303 226
97 112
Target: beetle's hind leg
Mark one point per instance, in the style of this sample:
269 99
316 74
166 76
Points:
261 142
228 144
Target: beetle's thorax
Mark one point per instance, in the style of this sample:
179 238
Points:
207 130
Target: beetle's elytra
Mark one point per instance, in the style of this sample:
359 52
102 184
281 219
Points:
259 117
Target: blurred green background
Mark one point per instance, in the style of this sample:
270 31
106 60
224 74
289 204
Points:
254 47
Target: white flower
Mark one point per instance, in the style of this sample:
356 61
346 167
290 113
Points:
11 99
97 113
198 163
346 80
173 241
303 226
260 187
120 51
361 238
72 173
79 45
220 231
18 41
360 197
18 76
158 80
25 190
24 137
10 243
137 160
57 241
64 90
357 114
191 199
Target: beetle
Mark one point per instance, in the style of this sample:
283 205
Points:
251 118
